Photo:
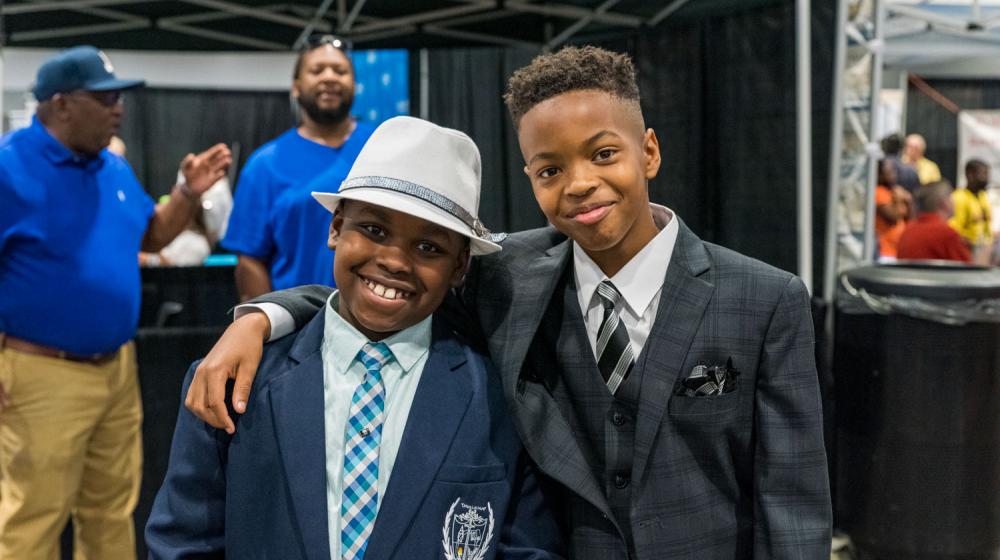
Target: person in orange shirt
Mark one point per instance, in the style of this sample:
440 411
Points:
892 208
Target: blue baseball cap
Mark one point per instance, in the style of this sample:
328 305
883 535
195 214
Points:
85 68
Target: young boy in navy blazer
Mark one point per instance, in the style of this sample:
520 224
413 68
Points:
376 432
667 385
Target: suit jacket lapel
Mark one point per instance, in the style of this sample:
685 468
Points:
530 294
298 413
438 409
683 301
550 442
543 429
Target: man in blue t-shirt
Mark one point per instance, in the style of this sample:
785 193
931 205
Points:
73 218
274 224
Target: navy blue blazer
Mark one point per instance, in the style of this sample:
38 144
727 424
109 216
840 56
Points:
461 479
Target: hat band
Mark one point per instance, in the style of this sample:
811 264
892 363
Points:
422 193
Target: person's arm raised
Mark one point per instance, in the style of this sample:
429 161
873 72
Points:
200 173
237 353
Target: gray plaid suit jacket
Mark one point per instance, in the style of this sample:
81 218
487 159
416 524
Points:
741 475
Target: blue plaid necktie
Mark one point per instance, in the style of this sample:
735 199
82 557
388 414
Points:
614 352
362 439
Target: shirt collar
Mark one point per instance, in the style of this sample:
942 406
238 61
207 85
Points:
966 191
641 278
57 153
341 339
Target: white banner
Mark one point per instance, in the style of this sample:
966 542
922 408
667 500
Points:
979 138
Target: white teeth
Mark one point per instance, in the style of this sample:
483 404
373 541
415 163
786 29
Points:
385 292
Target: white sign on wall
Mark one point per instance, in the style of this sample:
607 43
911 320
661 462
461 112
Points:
979 138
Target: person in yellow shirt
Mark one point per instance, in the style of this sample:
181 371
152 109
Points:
913 154
973 212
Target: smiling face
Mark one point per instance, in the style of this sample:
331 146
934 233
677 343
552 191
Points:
324 85
392 269
589 161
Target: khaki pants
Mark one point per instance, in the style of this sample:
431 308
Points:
70 444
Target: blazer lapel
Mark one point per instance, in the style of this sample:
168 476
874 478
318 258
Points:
550 442
298 413
544 431
532 291
438 409
683 301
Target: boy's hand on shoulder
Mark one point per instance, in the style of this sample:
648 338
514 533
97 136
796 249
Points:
235 356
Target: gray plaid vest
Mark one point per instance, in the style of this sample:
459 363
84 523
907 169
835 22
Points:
603 425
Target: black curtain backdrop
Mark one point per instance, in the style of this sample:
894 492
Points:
466 86
718 91
720 94
161 126
939 126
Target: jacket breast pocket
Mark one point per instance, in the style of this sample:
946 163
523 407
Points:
707 405
462 518
472 474
709 416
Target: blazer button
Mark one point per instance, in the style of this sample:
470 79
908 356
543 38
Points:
618 419
621 481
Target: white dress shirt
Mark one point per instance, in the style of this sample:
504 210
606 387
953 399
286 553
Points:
342 373
640 282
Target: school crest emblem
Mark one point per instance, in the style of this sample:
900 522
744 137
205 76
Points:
467 532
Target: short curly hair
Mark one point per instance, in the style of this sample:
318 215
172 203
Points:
570 69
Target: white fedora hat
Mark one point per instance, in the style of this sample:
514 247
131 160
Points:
421 169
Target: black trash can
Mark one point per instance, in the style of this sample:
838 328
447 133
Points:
917 385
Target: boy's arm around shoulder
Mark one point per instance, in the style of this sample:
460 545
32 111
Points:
236 355
188 519
792 508
302 302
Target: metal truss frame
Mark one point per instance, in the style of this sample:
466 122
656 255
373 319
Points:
344 17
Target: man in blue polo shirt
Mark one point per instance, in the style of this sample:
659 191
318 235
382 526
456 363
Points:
274 224
73 218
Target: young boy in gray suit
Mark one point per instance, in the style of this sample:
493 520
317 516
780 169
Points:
665 384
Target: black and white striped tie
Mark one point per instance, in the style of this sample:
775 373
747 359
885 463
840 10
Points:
614 353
